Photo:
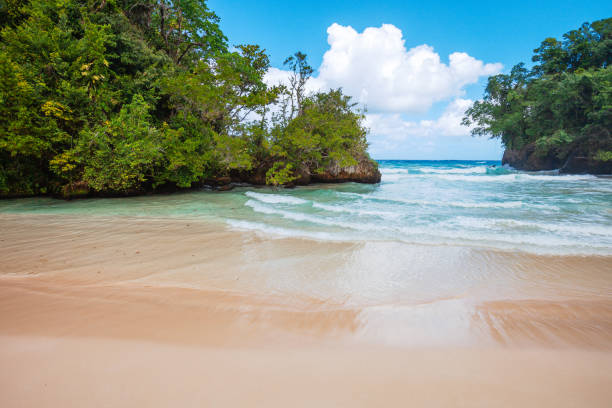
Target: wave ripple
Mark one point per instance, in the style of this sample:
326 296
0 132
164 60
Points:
452 203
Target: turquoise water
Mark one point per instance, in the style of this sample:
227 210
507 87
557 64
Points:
473 203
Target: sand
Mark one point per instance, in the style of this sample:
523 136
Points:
159 312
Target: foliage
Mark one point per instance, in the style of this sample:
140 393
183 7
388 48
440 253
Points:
562 103
328 130
123 96
603 156
121 154
300 73
281 173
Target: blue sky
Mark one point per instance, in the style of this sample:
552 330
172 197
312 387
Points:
401 71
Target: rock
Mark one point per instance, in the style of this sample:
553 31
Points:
527 159
365 171
76 189
303 176
580 160
256 176
225 187
218 181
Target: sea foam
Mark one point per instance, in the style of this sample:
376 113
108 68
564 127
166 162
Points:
447 203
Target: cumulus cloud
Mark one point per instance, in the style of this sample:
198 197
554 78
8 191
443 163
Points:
394 137
379 72
392 126
376 69
276 76
449 123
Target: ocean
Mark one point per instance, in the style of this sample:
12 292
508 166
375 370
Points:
455 203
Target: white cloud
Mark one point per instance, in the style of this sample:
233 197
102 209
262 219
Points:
393 137
396 129
449 123
376 69
379 72
276 76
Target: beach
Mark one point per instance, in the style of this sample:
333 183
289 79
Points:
255 204
125 311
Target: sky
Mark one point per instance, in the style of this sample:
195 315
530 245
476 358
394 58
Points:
415 66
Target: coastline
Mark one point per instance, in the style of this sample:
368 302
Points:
200 307
187 263
576 161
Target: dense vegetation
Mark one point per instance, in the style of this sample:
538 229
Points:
560 107
123 96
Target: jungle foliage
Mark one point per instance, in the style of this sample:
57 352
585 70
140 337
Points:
124 96
563 103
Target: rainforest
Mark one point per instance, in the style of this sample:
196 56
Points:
558 113
129 96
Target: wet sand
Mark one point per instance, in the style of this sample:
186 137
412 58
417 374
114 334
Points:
158 312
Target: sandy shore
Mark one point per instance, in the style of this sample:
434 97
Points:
153 312
73 372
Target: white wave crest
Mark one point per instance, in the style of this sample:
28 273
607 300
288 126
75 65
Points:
284 232
438 236
462 170
346 209
296 216
393 171
505 224
460 204
513 177
275 198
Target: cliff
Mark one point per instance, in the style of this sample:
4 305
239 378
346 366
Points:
579 160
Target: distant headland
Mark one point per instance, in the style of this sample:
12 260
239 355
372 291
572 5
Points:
558 114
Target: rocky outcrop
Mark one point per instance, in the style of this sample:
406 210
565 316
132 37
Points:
580 160
77 189
528 159
365 171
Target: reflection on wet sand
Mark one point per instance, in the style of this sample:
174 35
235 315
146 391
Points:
168 291
572 323
182 272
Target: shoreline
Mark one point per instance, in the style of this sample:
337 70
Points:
158 312
469 295
222 225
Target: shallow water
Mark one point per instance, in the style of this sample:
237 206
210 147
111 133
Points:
465 203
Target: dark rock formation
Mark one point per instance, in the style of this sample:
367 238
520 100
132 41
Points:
303 176
77 189
528 159
365 171
579 161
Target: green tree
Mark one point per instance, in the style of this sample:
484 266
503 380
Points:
123 153
562 105
123 96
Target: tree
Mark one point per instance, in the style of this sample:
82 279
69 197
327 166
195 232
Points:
300 73
328 131
560 106
123 96
123 153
